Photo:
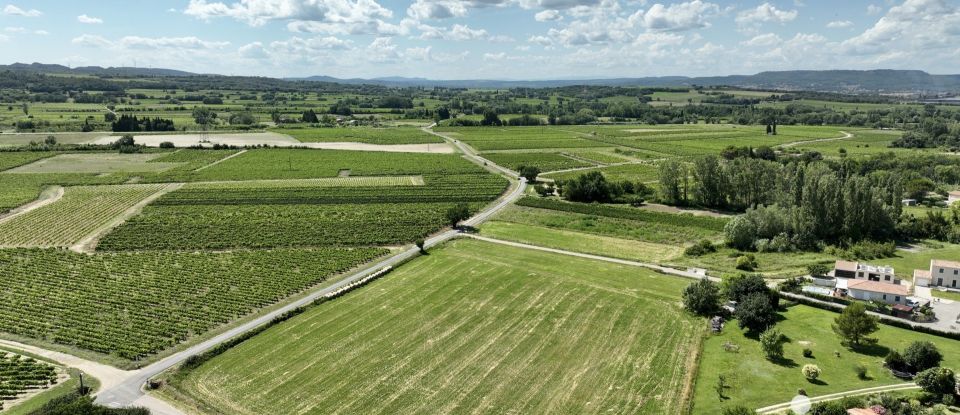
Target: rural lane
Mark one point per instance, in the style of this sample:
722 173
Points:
774 409
470 154
846 135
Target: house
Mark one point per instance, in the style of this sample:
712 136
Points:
858 271
953 196
942 273
868 290
909 202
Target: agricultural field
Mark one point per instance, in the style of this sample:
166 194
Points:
300 214
422 340
517 138
133 305
863 142
22 375
582 242
78 213
644 172
599 157
396 135
544 161
9 160
750 375
96 163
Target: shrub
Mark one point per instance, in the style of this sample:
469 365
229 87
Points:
747 262
771 342
811 372
737 410
167 144
922 355
700 248
807 352
702 297
861 371
937 380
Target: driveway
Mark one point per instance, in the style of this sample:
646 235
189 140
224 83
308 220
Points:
947 310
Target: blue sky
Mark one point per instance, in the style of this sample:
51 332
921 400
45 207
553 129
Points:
493 39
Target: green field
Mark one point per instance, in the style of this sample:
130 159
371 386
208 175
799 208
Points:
96 163
756 382
81 211
544 161
634 172
397 135
581 242
9 160
130 306
470 327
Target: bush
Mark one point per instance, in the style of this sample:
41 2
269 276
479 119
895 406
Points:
894 360
861 371
747 262
937 380
702 297
700 248
737 410
811 372
771 342
922 355
167 144
807 352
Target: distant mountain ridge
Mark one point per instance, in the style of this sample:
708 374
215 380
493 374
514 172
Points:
846 81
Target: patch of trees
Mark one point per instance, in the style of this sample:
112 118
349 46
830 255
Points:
594 187
130 123
340 108
395 102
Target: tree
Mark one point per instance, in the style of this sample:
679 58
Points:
588 187
771 342
50 140
673 182
937 380
817 270
755 313
443 113
490 117
740 232
853 325
420 245
242 118
309 116
458 213
529 172
702 297
922 355
739 287
204 116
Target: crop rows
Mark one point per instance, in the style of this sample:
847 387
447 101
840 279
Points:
11 159
396 135
82 210
543 161
705 222
133 305
300 216
20 374
362 181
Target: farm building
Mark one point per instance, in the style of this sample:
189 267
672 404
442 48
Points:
856 270
953 196
867 290
942 273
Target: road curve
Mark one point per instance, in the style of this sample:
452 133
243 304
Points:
128 391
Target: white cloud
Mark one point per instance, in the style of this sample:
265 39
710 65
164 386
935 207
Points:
382 49
88 19
494 56
764 40
916 27
839 24
431 9
41 32
138 42
764 13
874 10
678 16
548 16
4 38
253 50
313 16
11 10
14 29
94 41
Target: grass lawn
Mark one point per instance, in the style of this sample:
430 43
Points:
472 327
756 382
906 261
772 264
581 242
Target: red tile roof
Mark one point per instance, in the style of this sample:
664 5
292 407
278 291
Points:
877 287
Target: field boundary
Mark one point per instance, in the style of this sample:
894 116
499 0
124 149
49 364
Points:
89 243
221 160
47 196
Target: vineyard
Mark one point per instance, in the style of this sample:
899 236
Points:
133 305
520 138
20 375
18 189
471 328
262 217
624 212
11 159
544 161
396 135
362 181
81 210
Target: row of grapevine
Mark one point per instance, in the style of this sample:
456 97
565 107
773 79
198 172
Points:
20 375
135 304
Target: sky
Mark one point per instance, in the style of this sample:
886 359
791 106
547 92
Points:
485 39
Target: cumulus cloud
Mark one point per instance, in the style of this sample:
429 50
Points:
14 29
764 40
91 41
839 24
11 10
138 42
764 13
457 32
41 32
678 16
431 9
89 20
315 16
873 9
494 56
916 26
548 16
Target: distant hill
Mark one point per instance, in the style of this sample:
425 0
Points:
93 70
843 81
873 81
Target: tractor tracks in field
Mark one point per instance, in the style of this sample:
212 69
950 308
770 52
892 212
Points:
49 195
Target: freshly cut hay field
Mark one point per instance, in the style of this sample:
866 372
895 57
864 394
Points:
472 327
581 242
397 135
81 211
96 163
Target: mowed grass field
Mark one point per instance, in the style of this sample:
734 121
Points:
756 382
470 328
396 135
